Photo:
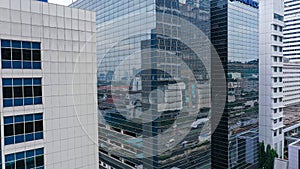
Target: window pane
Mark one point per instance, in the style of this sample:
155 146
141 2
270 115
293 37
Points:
38 126
36 45
26 45
29 117
9 140
16 44
8 120
30 163
18 92
19 118
10 165
26 54
37 90
37 81
9 130
19 128
28 91
39 161
29 127
17 81
36 55
6 54
5 43
7 92
20 164
38 116
16 54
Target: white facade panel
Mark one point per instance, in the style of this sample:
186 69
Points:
69 103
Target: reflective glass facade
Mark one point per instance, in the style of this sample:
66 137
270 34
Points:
235 36
153 90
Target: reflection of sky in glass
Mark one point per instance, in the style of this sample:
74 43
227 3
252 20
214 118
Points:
242 32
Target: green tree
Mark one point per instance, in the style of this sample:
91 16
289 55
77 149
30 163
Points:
266 158
261 155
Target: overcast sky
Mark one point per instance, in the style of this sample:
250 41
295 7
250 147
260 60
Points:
62 2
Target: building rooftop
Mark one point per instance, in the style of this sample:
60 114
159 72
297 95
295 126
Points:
296 143
291 115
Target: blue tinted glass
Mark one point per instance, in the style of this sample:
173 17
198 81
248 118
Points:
37 65
30 153
6 64
9 157
37 100
42 167
7 103
29 117
28 81
9 140
17 64
26 65
8 120
28 101
26 45
7 82
16 44
38 135
17 82
19 139
38 116
37 81
29 137
36 45
5 43
39 151
20 155
19 119
18 102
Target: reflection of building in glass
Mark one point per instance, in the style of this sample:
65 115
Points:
271 74
153 89
246 152
234 33
48 117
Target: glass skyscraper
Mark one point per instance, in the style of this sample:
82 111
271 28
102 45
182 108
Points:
234 34
156 81
153 82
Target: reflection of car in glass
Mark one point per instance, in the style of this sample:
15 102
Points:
170 142
196 123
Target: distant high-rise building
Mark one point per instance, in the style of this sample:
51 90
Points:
291 83
291 30
48 86
271 73
234 34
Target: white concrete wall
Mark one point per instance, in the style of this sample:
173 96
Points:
68 75
293 156
267 8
